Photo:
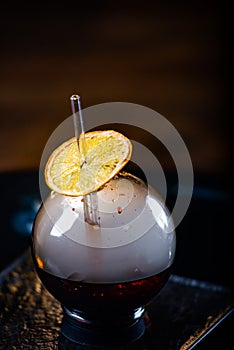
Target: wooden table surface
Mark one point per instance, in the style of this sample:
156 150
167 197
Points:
175 59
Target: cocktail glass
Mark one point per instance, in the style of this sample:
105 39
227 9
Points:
104 276
104 256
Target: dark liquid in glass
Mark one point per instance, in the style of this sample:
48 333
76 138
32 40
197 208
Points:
104 298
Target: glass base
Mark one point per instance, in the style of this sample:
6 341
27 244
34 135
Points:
99 333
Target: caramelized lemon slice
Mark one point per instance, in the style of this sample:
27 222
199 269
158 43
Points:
75 172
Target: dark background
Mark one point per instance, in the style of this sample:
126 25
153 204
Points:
174 58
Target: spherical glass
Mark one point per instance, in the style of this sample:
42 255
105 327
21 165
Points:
104 275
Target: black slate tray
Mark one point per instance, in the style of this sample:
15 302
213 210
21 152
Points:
178 318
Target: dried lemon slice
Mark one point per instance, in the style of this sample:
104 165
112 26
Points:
106 153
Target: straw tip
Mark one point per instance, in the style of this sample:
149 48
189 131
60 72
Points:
74 97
